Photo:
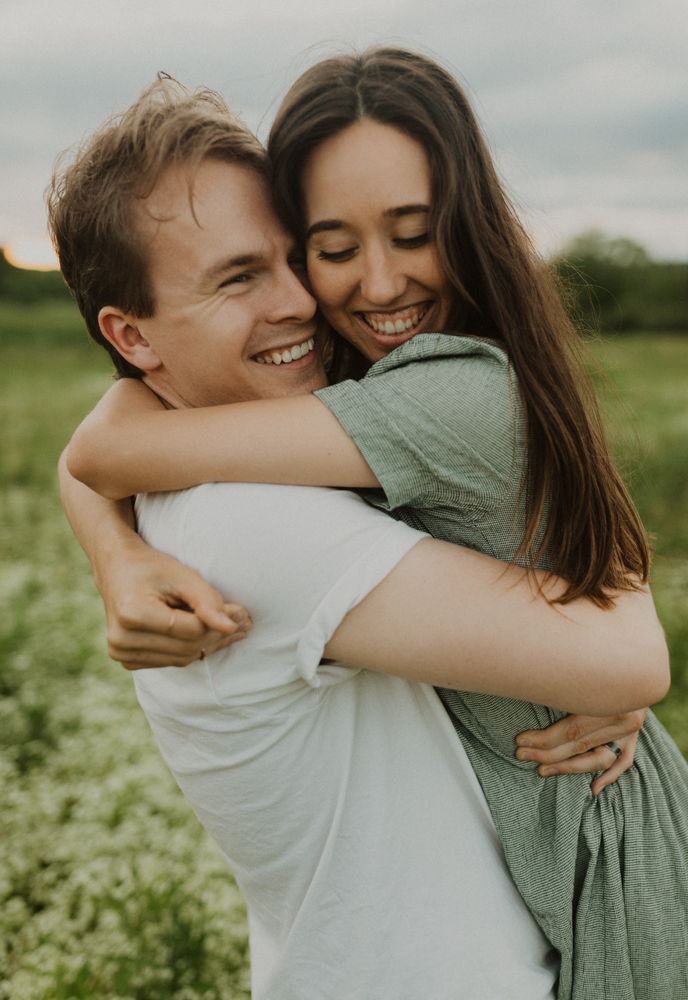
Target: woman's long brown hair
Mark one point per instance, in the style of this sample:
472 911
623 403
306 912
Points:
592 534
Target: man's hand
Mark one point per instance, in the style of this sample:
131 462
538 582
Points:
160 613
576 744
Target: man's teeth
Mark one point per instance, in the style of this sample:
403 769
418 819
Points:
284 357
400 325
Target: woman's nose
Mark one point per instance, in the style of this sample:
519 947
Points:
382 279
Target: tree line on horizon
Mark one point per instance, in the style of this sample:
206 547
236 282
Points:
613 285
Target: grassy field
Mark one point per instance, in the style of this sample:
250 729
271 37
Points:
647 421
108 886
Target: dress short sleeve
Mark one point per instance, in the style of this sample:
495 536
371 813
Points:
439 421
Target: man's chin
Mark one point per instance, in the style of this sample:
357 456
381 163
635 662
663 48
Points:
272 382
257 382
290 378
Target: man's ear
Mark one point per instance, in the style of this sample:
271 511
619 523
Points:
124 335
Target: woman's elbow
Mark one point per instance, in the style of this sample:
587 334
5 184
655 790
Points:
85 463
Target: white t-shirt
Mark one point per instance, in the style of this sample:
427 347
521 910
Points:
342 799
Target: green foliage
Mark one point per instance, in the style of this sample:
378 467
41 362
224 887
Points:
647 424
42 325
109 887
616 286
27 287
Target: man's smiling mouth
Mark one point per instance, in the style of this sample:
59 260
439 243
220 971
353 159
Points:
285 355
399 321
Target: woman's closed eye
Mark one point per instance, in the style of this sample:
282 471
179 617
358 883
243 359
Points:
402 242
338 255
411 242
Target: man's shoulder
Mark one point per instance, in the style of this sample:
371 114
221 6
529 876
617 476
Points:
273 514
254 498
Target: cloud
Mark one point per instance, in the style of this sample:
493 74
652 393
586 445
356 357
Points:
584 104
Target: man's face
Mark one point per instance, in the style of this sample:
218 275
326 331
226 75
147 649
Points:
229 300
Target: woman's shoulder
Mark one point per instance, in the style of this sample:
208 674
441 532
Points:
439 420
466 383
468 353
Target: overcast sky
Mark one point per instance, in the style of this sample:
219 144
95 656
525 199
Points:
584 102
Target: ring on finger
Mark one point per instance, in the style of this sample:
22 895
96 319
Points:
202 657
615 748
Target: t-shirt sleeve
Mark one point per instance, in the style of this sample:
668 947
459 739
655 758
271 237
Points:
434 430
299 558
355 583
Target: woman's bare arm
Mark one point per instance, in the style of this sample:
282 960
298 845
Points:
131 443
476 626
159 612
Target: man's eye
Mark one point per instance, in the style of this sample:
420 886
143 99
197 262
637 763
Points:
237 279
340 255
411 242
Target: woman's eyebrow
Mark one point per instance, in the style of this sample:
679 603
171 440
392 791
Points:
396 213
327 225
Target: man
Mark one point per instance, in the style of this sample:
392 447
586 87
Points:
341 797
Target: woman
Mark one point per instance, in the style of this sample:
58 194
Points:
489 438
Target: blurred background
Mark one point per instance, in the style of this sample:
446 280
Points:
108 886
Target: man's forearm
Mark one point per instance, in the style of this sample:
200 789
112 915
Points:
102 527
454 618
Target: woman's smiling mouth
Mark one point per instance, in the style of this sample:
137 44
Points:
394 327
398 321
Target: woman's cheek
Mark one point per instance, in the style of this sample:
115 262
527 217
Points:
324 286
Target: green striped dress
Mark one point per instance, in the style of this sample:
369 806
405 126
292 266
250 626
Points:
440 422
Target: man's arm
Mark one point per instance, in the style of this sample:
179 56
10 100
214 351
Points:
455 618
159 612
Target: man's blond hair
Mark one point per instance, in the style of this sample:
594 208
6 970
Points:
91 198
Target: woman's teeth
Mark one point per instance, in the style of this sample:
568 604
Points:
284 357
397 326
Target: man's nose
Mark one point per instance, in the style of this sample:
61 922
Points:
290 301
382 278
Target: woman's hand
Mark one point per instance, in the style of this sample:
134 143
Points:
161 613
576 744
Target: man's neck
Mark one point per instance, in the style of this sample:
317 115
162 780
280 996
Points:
166 393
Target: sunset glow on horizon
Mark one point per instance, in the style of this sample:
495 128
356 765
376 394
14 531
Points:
32 254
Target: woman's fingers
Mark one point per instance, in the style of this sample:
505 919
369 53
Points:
623 763
139 659
191 590
154 625
147 610
162 613
140 594
183 644
188 626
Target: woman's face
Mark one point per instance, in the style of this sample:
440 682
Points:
371 264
